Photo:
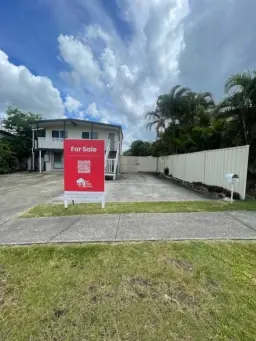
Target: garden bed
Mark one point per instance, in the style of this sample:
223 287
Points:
213 192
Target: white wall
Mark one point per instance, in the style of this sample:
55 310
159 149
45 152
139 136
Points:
29 162
209 167
134 164
128 164
147 164
49 164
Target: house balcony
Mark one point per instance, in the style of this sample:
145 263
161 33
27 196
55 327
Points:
57 143
49 143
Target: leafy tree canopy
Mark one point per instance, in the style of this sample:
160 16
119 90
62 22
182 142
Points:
187 121
18 122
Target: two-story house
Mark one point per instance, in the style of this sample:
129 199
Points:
48 137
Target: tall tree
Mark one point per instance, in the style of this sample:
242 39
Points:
7 157
240 104
18 122
168 109
139 148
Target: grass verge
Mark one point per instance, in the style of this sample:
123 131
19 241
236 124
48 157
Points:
55 210
146 291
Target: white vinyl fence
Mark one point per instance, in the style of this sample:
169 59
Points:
209 167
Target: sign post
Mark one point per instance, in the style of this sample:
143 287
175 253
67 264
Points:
84 171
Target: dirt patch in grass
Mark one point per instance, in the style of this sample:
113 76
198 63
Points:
59 312
146 291
181 263
3 280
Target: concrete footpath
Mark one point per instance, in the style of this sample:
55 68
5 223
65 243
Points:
130 227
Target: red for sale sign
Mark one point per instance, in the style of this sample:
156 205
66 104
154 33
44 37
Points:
84 170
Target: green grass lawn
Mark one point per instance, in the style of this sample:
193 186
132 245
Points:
50 210
189 291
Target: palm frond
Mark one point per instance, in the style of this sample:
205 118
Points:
205 96
150 125
239 80
173 90
183 91
152 115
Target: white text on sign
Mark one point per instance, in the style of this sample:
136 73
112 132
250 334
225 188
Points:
83 149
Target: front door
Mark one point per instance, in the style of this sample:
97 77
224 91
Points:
57 160
111 137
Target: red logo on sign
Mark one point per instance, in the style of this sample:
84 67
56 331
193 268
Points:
84 165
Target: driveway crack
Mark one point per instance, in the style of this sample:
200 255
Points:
118 224
241 221
65 229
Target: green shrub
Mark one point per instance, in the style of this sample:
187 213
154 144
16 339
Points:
7 157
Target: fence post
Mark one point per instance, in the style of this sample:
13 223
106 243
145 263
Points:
184 175
204 165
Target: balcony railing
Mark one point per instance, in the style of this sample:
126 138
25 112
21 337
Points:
57 143
49 143
110 166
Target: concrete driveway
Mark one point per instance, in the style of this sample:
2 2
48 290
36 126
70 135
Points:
144 187
147 187
20 191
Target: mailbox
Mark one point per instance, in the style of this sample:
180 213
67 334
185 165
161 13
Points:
232 178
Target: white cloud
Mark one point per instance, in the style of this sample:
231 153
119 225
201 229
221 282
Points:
109 65
71 104
19 87
102 114
95 32
80 57
104 120
129 74
92 110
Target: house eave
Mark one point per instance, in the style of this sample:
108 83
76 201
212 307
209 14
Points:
74 121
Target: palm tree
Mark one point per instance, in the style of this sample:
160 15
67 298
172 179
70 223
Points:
203 99
158 120
240 103
199 108
168 109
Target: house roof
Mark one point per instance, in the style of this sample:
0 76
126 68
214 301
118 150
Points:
75 120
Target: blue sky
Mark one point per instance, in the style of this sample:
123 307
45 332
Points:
109 60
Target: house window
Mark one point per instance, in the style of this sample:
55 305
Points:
59 134
94 135
90 135
86 135
55 133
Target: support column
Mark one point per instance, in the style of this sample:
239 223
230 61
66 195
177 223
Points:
33 139
40 161
33 161
33 152
91 131
64 129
